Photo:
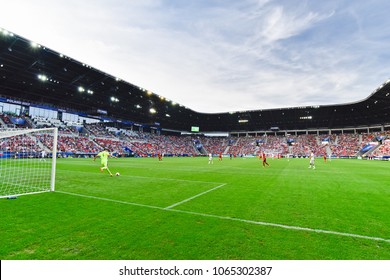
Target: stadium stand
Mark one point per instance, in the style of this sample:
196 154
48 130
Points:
128 128
132 143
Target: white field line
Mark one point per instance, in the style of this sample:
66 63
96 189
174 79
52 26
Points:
284 226
237 219
193 197
111 200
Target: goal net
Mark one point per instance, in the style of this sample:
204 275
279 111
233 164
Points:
27 161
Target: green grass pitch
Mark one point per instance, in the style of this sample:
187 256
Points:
186 209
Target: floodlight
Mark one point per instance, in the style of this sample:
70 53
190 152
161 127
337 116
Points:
43 78
35 45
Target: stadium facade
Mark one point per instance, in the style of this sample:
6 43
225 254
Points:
34 74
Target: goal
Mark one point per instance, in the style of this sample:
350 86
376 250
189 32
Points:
27 161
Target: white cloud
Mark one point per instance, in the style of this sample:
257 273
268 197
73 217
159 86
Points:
219 56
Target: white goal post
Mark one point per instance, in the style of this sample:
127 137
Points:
27 161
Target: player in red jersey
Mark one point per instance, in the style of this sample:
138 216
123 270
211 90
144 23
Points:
264 159
220 157
325 158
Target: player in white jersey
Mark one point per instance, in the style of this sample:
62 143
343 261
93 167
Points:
312 165
211 159
43 155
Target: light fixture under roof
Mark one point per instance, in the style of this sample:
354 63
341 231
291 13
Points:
152 111
35 45
6 32
42 77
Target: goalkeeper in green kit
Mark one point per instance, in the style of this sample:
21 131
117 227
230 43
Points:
104 155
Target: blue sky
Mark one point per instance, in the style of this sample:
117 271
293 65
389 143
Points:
221 55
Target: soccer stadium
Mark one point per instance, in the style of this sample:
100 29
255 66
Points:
184 185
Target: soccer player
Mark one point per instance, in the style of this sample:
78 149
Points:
104 155
211 159
325 157
43 156
264 159
312 161
159 156
220 156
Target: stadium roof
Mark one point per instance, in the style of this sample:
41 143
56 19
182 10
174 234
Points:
35 73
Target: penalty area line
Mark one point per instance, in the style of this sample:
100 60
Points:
296 228
193 197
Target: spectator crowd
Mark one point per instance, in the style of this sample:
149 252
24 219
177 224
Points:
94 137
